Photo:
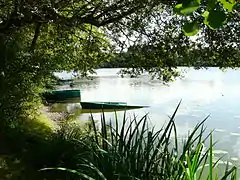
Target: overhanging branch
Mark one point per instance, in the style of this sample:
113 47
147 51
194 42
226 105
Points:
36 35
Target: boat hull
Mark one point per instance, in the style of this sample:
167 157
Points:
62 95
108 105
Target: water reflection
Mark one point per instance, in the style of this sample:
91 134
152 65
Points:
87 83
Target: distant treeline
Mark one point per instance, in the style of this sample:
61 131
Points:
117 61
197 58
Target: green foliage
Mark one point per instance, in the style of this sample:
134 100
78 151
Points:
80 50
191 29
31 50
214 11
159 49
178 8
35 144
188 6
22 141
214 19
39 38
228 4
167 47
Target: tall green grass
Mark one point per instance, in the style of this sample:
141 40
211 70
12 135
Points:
135 150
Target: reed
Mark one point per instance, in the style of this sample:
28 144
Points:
137 151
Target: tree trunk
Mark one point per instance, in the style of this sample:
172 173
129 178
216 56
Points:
36 35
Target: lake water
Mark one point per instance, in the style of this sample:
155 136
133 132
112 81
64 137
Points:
203 92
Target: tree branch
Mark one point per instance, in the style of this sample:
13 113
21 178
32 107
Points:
36 35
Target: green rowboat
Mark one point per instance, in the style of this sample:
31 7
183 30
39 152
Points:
62 95
108 105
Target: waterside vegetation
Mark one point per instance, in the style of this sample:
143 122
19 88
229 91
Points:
127 148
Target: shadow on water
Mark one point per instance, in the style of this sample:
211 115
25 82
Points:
76 107
90 83
82 83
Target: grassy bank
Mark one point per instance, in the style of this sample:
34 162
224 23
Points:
110 151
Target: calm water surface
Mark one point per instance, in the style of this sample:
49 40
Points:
203 92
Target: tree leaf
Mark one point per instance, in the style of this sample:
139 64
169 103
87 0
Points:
211 4
190 6
205 14
191 29
187 7
215 19
177 9
188 2
228 4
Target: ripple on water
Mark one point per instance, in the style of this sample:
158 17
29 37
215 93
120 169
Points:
234 158
235 134
220 130
219 152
